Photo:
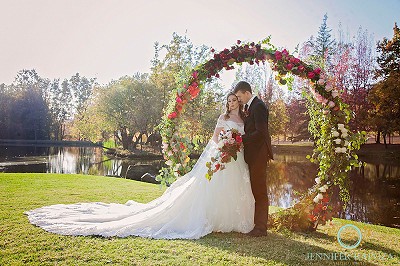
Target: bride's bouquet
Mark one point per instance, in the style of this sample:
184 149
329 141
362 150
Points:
229 144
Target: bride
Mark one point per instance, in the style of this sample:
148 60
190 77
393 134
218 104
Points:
190 208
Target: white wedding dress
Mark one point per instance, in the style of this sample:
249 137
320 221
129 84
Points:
190 208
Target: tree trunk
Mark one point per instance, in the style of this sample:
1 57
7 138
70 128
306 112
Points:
126 139
384 140
378 138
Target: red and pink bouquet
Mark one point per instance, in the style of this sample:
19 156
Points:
229 144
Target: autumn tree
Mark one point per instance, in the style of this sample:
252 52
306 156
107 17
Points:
385 114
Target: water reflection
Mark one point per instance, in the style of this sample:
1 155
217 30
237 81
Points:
375 188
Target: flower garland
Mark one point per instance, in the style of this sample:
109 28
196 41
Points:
335 143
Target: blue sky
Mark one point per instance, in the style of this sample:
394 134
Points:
109 39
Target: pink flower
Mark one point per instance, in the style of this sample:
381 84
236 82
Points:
172 115
217 75
331 104
285 52
195 75
289 66
301 68
311 75
238 42
179 100
321 82
278 55
212 50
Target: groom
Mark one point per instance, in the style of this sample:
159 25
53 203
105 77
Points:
257 152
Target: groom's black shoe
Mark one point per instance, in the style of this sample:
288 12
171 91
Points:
256 232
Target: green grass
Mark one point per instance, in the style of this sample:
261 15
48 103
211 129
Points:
24 244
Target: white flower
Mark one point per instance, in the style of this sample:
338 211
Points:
325 112
324 188
176 168
340 126
321 81
335 133
344 134
335 94
337 141
320 196
317 180
170 153
316 200
344 149
338 150
346 143
169 162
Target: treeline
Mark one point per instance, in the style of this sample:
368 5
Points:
36 108
129 109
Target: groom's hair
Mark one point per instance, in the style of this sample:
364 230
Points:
242 86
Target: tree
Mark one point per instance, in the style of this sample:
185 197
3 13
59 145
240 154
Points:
384 114
168 73
278 118
130 105
385 98
389 58
323 47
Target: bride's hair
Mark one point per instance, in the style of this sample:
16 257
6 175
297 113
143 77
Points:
241 113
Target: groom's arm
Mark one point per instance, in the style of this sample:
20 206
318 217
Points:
261 124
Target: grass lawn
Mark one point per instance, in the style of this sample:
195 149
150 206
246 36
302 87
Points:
24 244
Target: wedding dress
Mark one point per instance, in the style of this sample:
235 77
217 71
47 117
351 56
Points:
190 208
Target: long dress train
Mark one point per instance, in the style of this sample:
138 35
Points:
190 208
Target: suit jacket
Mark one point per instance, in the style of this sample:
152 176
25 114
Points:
257 140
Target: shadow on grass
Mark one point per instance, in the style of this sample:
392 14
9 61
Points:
274 248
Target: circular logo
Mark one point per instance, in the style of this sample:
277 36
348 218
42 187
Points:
358 233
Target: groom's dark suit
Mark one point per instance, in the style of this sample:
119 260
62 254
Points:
257 153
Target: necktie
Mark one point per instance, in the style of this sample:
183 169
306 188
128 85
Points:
246 106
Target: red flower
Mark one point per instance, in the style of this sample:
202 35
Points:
238 139
311 75
179 107
217 166
317 71
217 75
179 100
301 68
238 42
182 146
289 66
195 75
285 52
212 50
278 55
172 115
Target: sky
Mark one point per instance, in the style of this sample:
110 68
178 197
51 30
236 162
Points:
108 39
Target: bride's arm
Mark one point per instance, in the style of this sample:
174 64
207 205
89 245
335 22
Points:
218 128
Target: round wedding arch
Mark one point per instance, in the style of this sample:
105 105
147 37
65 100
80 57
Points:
334 146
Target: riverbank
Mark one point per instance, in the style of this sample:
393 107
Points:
47 143
22 243
368 152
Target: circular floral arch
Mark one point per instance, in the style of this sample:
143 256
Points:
334 147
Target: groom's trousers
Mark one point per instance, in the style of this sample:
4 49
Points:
258 169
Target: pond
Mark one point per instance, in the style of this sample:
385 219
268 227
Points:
375 188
